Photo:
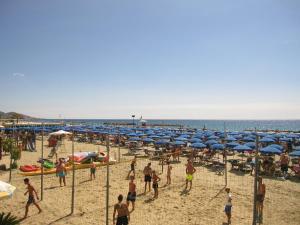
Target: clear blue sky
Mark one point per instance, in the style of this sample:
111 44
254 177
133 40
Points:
160 59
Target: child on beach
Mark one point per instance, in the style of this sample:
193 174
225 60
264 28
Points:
61 172
123 213
31 200
190 170
93 171
156 179
131 193
132 167
169 169
228 205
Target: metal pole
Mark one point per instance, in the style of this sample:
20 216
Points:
42 167
225 153
73 176
10 162
107 179
255 182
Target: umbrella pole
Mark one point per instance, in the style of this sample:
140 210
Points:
42 168
119 142
10 161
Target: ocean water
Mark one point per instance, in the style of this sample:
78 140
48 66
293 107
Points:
231 125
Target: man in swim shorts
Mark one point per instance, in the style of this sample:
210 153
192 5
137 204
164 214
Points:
190 170
131 197
123 213
148 172
31 200
61 172
260 197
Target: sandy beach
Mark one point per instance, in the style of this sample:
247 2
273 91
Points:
204 204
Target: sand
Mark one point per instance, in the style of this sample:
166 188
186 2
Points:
204 204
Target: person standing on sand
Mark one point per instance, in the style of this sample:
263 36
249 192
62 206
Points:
156 179
169 169
31 200
61 172
228 205
284 164
93 171
190 170
131 197
147 172
132 167
260 197
123 213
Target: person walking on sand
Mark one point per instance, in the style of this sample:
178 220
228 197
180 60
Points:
31 200
260 197
190 170
93 171
169 169
284 164
156 179
131 197
132 167
61 172
147 172
123 213
228 205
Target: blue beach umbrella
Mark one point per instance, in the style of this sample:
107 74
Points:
251 145
178 143
242 148
211 142
198 145
218 147
232 144
270 150
194 140
148 140
134 139
230 139
248 139
266 140
162 142
180 139
213 137
295 153
276 146
285 139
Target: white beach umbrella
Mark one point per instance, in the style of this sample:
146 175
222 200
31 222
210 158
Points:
6 190
60 132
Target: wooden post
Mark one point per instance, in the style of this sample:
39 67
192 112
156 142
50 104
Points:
107 180
254 222
42 168
73 176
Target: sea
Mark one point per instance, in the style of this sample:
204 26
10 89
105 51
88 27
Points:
230 125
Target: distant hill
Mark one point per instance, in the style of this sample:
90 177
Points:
14 115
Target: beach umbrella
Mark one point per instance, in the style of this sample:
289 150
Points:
59 133
132 134
270 150
212 137
218 147
134 139
194 140
276 146
266 140
198 145
248 139
284 139
180 139
232 144
161 142
295 153
6 190
148 140
297 148
242 148
178 143
251 144
211 142
230 139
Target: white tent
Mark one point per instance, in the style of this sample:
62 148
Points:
60 132
6 190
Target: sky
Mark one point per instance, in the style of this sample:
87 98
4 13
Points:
163 59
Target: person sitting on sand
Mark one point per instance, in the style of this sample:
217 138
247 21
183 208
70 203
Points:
260 197
228 205
61 172
132 167
131 197
169 169
190 170
147 172
93 170
284 164
156 179
31 200
123 213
